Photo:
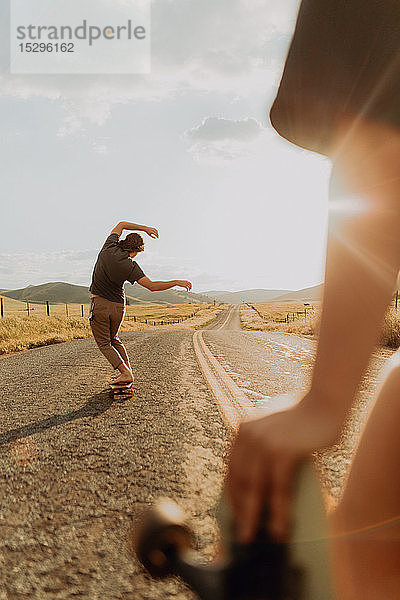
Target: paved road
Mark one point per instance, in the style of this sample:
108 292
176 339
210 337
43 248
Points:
77 468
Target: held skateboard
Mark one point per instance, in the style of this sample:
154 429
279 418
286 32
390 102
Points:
261 570
120 391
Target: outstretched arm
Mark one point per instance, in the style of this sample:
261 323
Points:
159 286
119 228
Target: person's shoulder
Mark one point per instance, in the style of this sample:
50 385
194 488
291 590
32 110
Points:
136 272
113 237
111 241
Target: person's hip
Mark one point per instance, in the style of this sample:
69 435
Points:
102 307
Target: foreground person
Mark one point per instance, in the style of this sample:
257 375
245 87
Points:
113 267
339 96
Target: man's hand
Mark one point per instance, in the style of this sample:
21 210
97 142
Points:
264 461
151 231
185 284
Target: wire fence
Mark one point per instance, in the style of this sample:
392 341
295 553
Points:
307 312
157 322
49 309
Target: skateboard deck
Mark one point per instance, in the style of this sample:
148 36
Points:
261 570
118 390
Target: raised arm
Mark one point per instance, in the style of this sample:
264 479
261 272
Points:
159 286
119 228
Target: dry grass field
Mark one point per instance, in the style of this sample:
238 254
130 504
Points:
161 313
170 316
274 317
18 331
289 318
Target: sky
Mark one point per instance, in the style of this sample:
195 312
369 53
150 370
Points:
187 148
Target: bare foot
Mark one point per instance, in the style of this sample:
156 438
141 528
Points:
123 378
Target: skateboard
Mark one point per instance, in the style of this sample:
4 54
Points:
121 391
261 570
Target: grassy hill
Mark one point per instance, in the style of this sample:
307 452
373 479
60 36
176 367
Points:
66 293
56 292
256 295
311 294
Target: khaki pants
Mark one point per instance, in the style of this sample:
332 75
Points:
106 319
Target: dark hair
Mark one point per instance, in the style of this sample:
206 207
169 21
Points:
132 243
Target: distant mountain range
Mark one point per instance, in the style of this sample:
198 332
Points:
246 295
53 292
67 293
311 294
60 292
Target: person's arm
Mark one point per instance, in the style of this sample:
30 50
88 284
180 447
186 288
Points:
159 286
119 228
363 259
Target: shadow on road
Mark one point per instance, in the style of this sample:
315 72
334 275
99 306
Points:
94 407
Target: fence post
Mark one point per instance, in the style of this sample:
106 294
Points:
134 319
2 307
47 308
28 309
82 309
66 310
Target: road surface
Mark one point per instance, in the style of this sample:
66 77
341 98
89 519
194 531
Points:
77 469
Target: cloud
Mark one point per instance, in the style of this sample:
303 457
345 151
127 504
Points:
219 128
233 47
218 139
20 269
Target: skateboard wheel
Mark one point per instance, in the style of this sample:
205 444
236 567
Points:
162 537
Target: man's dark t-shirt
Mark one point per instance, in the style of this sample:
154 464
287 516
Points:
112 269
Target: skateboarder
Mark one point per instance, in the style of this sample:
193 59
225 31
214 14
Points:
114 266
339 96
